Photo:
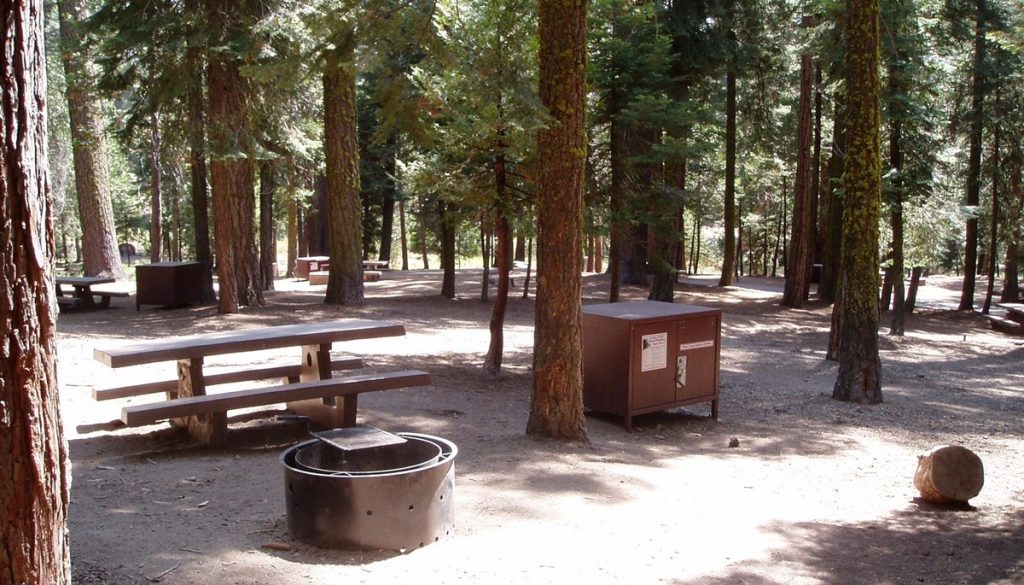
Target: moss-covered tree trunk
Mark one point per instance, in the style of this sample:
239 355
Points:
89 147
341 148
231 170
556 408
798 268
859 377
34 469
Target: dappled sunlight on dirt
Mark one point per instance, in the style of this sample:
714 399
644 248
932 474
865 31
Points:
788 487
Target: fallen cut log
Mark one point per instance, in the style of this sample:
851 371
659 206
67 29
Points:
949 474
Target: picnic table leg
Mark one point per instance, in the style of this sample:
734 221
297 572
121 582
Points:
84 296
211 429
334 411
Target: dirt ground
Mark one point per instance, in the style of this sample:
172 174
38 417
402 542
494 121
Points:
817 492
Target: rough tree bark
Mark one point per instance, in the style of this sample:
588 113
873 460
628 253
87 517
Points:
859 377
34 469
231 171
556 407
798 269
89 146
341 148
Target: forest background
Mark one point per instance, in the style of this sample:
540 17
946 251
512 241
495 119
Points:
699 115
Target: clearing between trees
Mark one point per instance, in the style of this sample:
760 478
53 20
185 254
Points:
816 492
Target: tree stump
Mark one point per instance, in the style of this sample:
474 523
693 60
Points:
949 474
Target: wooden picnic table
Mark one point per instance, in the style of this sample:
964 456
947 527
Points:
1014 311
375 264
309 390
306 264
83 296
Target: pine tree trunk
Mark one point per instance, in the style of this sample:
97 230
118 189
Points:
993 239
492 362
89 146
156 195
915 281
293 236
485 254
231 176
403 234
556 408
267 187
798 269
898 324
619 229
341 149
729 239
974 160
859 377
35 472
447 223
1011 286
828 287
387 217
422 239
197 161
816 243
529 269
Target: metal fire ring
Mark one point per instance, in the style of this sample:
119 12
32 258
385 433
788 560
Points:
401 506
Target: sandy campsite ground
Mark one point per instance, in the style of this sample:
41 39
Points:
817 492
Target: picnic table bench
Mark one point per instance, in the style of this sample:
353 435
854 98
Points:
84 297
1013 323
309 387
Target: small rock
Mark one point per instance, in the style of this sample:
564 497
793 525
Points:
734 442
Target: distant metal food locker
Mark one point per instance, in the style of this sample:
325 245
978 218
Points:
171 284
647 356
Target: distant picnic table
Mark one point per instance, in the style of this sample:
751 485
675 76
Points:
83 296
1014 321
308 388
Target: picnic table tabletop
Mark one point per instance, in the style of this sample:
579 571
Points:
224 342
83 281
